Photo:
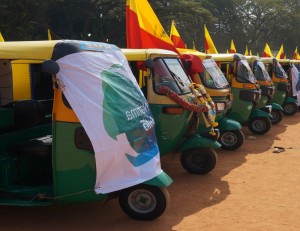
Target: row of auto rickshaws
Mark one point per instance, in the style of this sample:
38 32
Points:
85 121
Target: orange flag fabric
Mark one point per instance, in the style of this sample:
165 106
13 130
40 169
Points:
280 53
208 43
143 29
232 47
175 37
267 51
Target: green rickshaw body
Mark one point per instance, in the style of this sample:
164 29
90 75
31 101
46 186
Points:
241 109
46 155
169 135
203 70
174 124
279 79
245 93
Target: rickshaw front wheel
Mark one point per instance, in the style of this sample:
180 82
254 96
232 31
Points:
144 202
290 108
231 139
198 160
277 116
260 125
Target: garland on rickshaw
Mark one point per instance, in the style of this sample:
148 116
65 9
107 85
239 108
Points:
202 102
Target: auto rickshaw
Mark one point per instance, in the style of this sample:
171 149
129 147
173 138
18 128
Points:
267 88
75 127
282 86
246 93
169 92
211 77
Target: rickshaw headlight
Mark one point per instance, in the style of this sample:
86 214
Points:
221 106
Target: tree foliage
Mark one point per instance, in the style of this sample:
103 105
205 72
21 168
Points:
248 22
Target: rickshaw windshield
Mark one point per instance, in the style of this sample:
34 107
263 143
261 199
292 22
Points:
213 77
170 73
244 73
260 72
279 71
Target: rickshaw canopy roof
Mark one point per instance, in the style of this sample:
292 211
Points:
226 57
143 54
35 50
194 52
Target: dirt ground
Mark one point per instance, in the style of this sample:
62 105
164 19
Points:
250 189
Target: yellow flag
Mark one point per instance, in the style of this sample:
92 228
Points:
250 52
246 51
267 51
208 43
232 47
194 46
1 38
49 35
280 53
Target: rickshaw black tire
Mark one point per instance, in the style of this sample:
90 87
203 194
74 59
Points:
267 122
206 158
239 137
278 116
161 201
290 104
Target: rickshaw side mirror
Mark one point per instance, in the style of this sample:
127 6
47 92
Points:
149 64
192 63
50 67
236 57
187 65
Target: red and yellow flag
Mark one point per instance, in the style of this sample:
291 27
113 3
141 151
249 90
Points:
208 43
267 51
232 47
1 38
280 53
143 29
295 55
175 37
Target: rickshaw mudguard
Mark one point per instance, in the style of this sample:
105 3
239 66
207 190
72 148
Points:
290 100
259 113
276 106
197 141
226 124
161 180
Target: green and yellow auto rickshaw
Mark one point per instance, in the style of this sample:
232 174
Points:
267 88
204 70
280 79
246 93
168 90
80 130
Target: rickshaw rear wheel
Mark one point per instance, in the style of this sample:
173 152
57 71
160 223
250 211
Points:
231 139
144 202
277 116
260 125
290 108
199 160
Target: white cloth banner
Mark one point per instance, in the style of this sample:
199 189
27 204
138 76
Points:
295 79
106 98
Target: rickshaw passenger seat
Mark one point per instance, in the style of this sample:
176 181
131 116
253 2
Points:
38 147
27 113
